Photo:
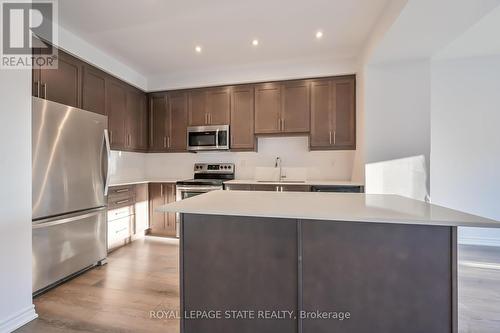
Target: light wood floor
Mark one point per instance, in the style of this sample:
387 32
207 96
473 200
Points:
118 297
143 276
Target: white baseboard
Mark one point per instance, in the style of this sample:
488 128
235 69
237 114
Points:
19 319
484 241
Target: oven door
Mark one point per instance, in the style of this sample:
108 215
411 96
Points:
208 138
188 191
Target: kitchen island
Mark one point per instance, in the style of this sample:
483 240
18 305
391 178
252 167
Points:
318 262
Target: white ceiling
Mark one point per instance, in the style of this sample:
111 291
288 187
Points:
425 27
158 37
482 39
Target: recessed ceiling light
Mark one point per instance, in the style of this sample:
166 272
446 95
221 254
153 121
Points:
319 34
198 49
255 42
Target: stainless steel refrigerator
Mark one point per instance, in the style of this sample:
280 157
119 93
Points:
70 154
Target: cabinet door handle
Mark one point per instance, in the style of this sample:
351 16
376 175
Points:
330 139
168 141
151 121
37 83
110 137
164 142
282 124
161 189
44 90
334 137
279 124
120 230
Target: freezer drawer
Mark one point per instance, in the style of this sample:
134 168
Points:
64 246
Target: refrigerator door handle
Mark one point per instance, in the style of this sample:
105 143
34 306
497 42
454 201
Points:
105 161
52 221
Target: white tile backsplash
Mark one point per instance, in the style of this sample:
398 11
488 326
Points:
297 161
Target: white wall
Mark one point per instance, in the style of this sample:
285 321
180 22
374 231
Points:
334 165
465 140
397 117
16 307
259 72
82 49
127 166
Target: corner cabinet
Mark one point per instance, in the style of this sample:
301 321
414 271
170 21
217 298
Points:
333 114
162 224
136 120
116 106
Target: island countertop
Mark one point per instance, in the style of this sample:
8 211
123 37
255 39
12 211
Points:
352 207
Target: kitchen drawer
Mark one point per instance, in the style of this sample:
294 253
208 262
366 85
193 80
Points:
121 190
120 197
118 213
119 231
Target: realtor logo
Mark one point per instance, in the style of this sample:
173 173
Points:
29 29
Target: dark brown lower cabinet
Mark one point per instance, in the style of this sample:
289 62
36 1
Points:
237 264
391 278
334 276
162 224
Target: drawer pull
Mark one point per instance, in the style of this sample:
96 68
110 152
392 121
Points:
122 202
122 190
120 230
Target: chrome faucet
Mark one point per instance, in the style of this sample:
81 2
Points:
277 164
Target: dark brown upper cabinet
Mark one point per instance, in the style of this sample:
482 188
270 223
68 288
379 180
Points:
158 106
197 108
61 85
242 118
333 114
282 107
177 119
168 121
116 109
268 108
210 106
295 114
94 90
136 121
218 106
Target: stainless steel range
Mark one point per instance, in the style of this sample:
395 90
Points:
207 177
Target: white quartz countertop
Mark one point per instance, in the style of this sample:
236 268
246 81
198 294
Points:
135 182
353 207
307 182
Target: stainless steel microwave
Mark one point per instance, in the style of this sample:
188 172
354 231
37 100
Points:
201 138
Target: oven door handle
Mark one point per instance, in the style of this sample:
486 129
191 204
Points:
217 138
198 188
